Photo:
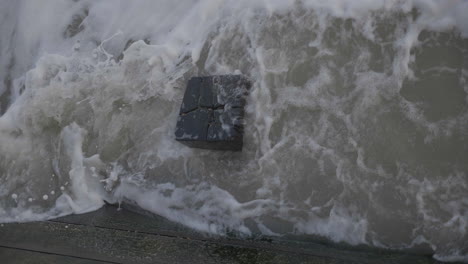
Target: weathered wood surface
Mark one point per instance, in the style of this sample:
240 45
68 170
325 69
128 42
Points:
212 112
21 256
120 236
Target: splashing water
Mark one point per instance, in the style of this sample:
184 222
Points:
356 125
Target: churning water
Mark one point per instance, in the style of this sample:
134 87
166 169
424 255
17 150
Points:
356 126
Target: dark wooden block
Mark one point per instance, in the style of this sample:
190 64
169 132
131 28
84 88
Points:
212 112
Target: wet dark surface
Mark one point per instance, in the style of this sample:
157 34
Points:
112 235
212 112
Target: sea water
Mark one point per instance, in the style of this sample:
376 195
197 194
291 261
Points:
356 124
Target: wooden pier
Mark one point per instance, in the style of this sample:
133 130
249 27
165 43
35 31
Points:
110 235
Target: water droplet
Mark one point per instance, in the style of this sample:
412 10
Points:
52 192
14 196
62 188
45 197
30 199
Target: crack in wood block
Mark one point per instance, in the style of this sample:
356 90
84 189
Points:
212 112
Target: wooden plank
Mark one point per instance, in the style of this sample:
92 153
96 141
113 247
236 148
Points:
144 222
123 236
123 219
120 246
147 223
21 256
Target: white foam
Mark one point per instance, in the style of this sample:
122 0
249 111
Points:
340 225
85 197
179 205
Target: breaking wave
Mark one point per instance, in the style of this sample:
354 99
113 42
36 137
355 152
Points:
356 124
